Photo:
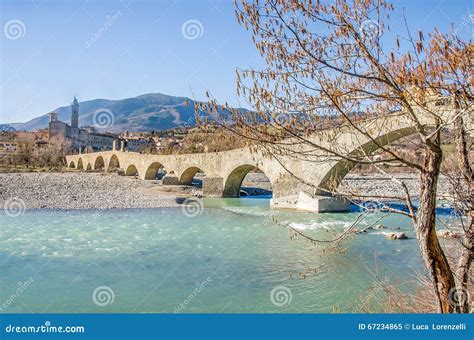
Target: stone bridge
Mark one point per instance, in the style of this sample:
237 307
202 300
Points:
297 182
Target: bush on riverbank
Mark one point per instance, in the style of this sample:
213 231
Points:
416 296
27 157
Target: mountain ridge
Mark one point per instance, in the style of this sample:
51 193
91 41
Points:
146 112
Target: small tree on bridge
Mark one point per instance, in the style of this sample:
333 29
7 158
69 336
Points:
338 64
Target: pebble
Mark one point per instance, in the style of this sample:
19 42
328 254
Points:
445 233
396 236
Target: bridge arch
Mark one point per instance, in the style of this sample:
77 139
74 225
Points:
234 180
80 166
152 170
113 163
336 171
99 163
89 167
131 170
72 165
187 176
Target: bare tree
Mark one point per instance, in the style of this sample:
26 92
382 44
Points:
24 153
331 69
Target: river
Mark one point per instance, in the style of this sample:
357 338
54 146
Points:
228 255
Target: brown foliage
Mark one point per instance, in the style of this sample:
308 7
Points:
52 155
210 139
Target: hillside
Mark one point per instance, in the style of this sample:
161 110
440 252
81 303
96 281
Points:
154 111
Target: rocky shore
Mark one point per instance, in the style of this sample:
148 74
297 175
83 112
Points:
376 185
81 190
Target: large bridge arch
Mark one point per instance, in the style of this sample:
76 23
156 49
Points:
72 165
336 171
113 163
188 174
131 170
152 170
99 163
233 182
80 166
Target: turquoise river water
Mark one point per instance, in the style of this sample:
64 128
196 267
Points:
236 255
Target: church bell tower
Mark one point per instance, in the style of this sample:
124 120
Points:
75 113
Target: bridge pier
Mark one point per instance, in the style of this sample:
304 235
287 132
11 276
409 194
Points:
305 202
170 180
290 193
212 186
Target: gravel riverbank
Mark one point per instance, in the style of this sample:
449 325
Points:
376 185
81 190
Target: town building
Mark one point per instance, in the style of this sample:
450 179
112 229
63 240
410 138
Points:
80 138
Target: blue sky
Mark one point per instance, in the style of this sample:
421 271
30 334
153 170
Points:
119 49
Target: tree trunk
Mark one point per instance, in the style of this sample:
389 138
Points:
433 255
464 263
